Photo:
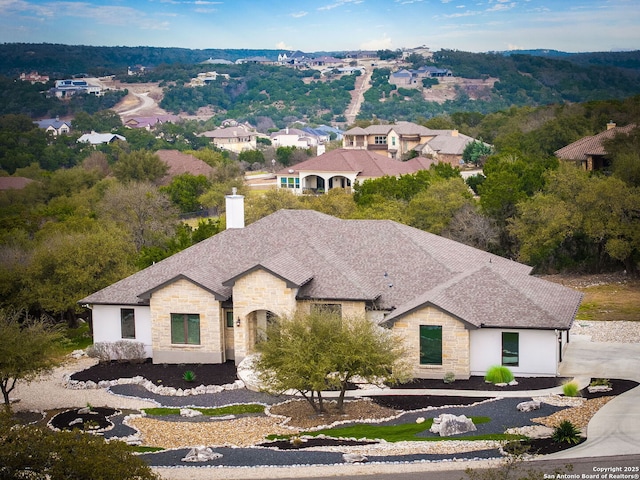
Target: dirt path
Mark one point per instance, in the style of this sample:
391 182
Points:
142 101
363 83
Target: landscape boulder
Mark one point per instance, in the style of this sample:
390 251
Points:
528 406
201 454
354 458
189 412
447 425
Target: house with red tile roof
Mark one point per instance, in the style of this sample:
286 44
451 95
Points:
14 183
341 168
459 310
589 152
180 163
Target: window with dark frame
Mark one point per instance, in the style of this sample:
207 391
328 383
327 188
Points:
185 328
229 318
127 323
510 349
430 345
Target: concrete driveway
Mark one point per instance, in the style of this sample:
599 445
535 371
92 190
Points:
615 428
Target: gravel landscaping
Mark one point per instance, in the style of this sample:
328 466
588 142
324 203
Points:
241 439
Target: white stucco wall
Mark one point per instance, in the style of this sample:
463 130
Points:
106 324
538 354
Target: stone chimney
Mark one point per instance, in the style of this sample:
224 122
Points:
611 125
234 204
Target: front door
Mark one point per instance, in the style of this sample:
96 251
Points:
229 343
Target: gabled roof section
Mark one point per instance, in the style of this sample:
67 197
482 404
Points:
592 145
488 298
218 296
450 144
180 163
98 138
283 265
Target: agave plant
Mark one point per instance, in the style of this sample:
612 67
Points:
189 376
566 432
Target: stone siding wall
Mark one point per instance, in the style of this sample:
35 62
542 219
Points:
183 296
258 290
455 343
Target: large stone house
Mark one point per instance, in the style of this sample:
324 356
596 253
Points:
236 139
400 140
460 310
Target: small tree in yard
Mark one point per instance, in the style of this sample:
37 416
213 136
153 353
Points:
28 348
318 351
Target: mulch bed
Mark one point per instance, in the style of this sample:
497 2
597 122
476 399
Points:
478 383
545 446
96 419
617 387
168 375
419 402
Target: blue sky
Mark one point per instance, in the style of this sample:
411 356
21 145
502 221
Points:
469 25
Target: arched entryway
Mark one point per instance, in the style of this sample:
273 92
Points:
257 322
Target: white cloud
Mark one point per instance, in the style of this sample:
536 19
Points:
378 44
501 7
299 14
340 3
283 46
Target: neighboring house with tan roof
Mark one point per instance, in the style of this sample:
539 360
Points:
180 163
342 168
149 123
400 139
589 152
236 139
459 310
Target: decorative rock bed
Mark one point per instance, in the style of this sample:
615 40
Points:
150 386
91 419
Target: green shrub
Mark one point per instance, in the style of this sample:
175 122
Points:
570 389
189 376
498 374
566 432
449 377
597 382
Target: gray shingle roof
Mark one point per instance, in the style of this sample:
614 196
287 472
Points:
397 267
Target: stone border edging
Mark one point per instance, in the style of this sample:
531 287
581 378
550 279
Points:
67 382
